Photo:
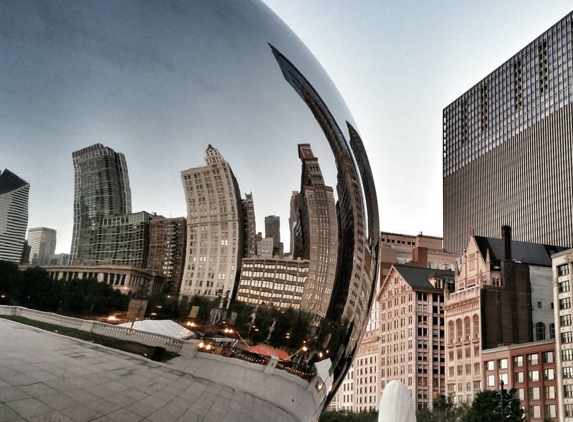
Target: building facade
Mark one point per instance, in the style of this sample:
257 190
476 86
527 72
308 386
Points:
42 241
122 278
412 331
101 189
562 270
14 193
250 226
316 233
531 369
502 139
215 228
494 272
273 230
273 282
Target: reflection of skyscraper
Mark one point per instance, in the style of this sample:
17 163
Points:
215 229
167 238
123 240
273 230
13 215
101 189
317 237
250 226
358 241
42 241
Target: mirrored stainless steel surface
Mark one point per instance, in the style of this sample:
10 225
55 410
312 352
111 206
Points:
221 91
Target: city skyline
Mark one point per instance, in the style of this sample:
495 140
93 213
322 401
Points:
487 39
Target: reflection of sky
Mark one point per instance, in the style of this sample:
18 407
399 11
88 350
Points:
398 64
157 81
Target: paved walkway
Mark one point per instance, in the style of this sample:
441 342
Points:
47 377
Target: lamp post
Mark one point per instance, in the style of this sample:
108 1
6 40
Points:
502 393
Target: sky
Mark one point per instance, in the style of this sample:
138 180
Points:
398 64
81 75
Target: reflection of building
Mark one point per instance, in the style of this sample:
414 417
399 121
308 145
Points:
503 140
250 225
531 369
265 247
412 331
563 297
122 278
101 190
318 233
42 241
214 228
353 290
495 272
167 237
13 216
59 259
273 282
123 240
273 230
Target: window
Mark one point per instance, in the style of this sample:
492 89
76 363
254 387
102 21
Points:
504 378
564 286
565 303
565 320
568 372
518 377
535 411
534 375
569 410
518 360
533 359
567 354
534 393
552 330
568 390
547 357
490 365
567 337
539 305
502 363
551 411
562 269
490 381
550 392
549 374
540 330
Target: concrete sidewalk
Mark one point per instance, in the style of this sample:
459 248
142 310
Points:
47 377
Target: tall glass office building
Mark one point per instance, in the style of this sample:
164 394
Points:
14 193
508 144
101 190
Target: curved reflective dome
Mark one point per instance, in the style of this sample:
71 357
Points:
214 111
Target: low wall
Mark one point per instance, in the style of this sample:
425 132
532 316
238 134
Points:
101 328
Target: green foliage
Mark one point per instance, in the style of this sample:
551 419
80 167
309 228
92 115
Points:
486 407
345 416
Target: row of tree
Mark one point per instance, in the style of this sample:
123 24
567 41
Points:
33 288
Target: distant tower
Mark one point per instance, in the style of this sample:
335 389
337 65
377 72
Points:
168 237
101 190
215 228
273 230
13 215
42 241
315 232
250 226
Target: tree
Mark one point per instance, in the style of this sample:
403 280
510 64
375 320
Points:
487 407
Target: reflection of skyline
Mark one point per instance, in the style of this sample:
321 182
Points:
353 287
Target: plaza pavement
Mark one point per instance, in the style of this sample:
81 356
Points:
45 377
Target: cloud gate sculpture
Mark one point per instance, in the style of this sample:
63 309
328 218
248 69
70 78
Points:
224 117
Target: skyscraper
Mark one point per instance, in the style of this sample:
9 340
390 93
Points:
101 190
13 215
508 143
317 230
250 226
215 227
42 241
273 230
167 250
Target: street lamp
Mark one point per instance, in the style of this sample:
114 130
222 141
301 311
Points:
502 393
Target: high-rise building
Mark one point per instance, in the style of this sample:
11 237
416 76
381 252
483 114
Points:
13 216
42 241
273 230
123 240
563 297
317 233
508 143
101 190
250 226
215 228
167 238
